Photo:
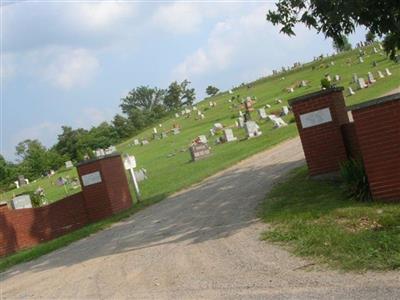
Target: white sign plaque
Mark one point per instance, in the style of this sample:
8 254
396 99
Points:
91 178
315 118
129 162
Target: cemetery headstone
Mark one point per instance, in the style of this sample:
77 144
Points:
228 135
164 135
176 131
68 164
240 122
199 151
351 92
136 142
388 73
285 111
176 115
355 78
361 60
361 83
262 114
337 78
22 201
202 139
144 142
252 129
380 74
371 78
21 180
278 122
267 106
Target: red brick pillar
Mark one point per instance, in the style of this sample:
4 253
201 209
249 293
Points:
104 186
319 117
377 125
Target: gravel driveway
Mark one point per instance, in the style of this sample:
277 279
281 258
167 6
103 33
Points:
200 243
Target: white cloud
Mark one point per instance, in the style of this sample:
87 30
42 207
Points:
178 17
45 132
75 67
91 116
101 15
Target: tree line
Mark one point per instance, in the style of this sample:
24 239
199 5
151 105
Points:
142 107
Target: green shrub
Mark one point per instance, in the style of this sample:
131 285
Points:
325 83
355 180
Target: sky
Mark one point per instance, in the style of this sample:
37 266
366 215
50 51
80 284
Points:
70 62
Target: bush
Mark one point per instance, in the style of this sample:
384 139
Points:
355 180
325 83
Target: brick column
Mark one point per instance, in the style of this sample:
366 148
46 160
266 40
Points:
319 117
104 186
377 125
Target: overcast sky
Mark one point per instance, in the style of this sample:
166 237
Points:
70 63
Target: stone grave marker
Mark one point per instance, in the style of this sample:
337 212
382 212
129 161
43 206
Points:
267 106
351 92
262 113
371 78
240 121
285 111
22 201
212 133
361 60
380 74
361 83
176 115
202 139
355 78
164 135
228 135
278 122
252 129
21 180
136 142
144 142
68 164
388 73
199 151
176 130
337 77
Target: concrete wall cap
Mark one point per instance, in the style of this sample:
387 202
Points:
377 101
314 95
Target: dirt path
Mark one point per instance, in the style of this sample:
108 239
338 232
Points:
200 243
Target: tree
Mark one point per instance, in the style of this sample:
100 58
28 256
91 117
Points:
68 142
143 98
36 159
336 18
179 94
122 126
212 90
341 46
370 37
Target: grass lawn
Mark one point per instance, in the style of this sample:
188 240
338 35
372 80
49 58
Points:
315 219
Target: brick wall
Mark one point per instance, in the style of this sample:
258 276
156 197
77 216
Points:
109 196
24 228
350 140
323 144
377 124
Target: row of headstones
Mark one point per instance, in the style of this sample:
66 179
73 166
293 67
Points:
362 84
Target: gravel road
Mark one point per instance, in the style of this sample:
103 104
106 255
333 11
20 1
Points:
201 243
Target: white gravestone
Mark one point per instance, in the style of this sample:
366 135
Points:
129 162
212 133
355 78
285 111
380 74
267 106
240 122
176 131
22 201
176 115
361 60
315 118
136 142
144 142
202 139
361 83
371 78
262 113
337 78
388 73
228 135
155 130
351 92
68 164
328 77
278 122
252 129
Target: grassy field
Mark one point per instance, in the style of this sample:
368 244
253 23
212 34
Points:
315 219
168 161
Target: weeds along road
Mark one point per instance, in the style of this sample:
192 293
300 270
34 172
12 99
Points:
203 242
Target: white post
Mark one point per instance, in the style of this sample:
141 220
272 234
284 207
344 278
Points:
135 184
